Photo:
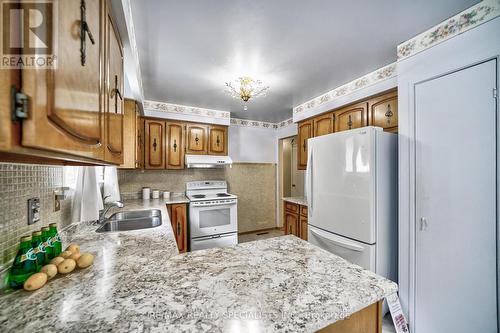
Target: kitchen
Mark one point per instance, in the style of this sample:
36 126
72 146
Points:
200 181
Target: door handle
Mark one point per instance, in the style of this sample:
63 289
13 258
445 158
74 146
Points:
175 145
84 31
423 224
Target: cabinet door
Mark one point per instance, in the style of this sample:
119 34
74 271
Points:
196 139
129 134
217 140
303 227
179 225
175 145
139 157
114 90
323 124
354 116
383 111
291 224
66 109
305 132
155 144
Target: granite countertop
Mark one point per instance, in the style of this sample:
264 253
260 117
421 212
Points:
298 200
139 282
176 198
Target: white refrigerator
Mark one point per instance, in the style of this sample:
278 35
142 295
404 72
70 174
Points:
351 190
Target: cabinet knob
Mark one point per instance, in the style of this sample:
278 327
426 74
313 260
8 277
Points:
196 139
175 145
349 123
389 113
154 144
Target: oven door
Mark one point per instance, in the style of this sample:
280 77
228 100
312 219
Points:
212 220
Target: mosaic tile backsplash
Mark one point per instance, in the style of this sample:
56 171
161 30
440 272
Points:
18 183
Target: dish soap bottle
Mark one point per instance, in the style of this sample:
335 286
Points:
25 264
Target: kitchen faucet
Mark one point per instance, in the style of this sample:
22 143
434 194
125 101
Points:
107 207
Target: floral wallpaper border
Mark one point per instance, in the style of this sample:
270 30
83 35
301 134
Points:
183 109
260 124
376 76
466 20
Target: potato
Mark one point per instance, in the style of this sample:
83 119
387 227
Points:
85 260
75 256
67 266
50 270
73 248
36 281
57 260
66 254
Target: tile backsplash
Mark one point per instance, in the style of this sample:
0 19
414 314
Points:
18 183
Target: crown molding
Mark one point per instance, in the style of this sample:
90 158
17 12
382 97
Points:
466 20
186 110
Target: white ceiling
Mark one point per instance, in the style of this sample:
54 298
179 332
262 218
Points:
189 48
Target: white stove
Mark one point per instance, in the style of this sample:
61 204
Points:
212 215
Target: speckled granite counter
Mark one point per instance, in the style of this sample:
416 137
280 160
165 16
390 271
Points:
139 283
298 200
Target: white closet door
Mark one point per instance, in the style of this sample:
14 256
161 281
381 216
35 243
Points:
455 289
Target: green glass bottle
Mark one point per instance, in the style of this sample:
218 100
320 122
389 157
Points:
25 264
56 240
39 249
47 243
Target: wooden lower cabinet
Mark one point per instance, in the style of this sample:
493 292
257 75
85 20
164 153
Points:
295 219
367 320
178 219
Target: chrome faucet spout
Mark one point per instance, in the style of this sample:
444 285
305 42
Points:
107 207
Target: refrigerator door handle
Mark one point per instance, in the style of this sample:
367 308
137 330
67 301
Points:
338 242
309 178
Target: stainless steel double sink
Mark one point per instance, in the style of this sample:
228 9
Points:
132 220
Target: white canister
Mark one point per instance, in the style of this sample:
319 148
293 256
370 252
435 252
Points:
166 195
146 193
156 194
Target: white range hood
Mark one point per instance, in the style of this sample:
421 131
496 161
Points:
207 161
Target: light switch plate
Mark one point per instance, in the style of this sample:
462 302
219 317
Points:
33 210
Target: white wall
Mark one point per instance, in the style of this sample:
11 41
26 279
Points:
252 144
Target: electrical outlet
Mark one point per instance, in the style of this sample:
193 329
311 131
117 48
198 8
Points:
33 210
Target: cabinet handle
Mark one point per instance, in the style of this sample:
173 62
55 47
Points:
349 123
178 228
389 113
154 144
116 93
304 145
196 139
175 145
84 31
217 141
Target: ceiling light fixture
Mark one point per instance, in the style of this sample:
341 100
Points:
245 88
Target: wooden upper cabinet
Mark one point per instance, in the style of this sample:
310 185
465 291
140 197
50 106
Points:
383 111
323 124
66 111
305 132
175 145
155 144
114 91
217 140
196 139
139 155
353 116
130 139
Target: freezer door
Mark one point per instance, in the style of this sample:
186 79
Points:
358 253
213 241
340 181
